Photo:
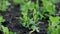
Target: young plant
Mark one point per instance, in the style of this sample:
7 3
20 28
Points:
26 19
54 21
4 4
5 29
48 7
1 20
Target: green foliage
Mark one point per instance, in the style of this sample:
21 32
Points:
4 5
28 5
1 19
54 19
54 1
53 25
26 21
19 1
2 28
5 29
48 6
39 12
11 32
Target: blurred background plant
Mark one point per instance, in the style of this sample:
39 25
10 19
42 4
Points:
4 4
53 25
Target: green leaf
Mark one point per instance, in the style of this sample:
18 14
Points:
4 5
1 19
5 29
54 19
18 1
48 6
